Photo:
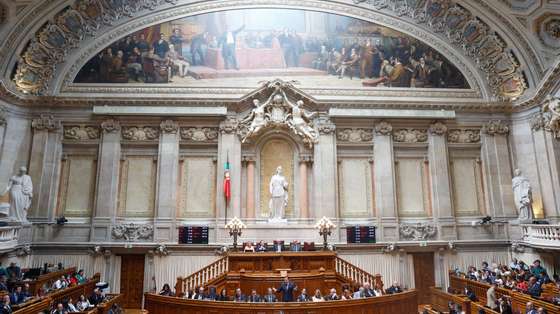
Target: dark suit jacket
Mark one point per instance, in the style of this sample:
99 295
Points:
254 298
240 298
287 291
270 298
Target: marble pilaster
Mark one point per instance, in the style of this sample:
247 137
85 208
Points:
303 193
250 190
167 182
438 159
497 170
107 179
324 171
44 167
384 177
547 152
229 146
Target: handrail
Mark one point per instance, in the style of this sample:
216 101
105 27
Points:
202 276
547 235
355 274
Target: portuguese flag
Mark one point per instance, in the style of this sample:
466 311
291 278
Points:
227 182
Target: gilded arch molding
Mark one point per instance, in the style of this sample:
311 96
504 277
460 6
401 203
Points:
46 70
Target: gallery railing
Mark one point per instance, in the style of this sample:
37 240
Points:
542 235
356 275
203 276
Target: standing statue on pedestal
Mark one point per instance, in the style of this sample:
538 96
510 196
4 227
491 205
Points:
21 193
522 196
278 195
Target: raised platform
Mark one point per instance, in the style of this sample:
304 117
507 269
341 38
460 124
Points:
202 72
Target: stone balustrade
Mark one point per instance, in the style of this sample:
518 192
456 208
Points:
542 235
9 236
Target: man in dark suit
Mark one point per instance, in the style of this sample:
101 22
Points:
254 297
270 297
394 288
14 272
161 47
303 297
17 296
200 294
368 291
228 41
239 296
287 288
97 297
6 307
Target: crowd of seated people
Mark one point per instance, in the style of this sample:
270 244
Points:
278 246
287 289
517 276
83 304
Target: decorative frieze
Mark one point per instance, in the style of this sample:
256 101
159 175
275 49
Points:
438 128
169 127
139 133
196 134
110 126
383 128
495 127
354 135
325 126
463 136
417 231
229 125
132 231
81 132
410 136
46 122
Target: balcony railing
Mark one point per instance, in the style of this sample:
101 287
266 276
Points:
542 235
9 237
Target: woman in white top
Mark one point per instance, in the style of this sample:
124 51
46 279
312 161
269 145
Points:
317 297
70 306
83 304
249 247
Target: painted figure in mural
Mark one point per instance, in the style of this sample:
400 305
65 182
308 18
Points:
278 194
522 195
21 193
228 41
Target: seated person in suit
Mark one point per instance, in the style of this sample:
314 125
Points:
17 297
303 297
332 296
249 247
254 297
200 295
212 294
270 296
239 296
261 246
359 294
346 295
223 295
278 246
394 288
14 272
295 246
97 297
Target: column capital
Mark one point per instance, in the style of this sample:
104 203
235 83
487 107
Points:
110 126
229 125
169 127
248 159
325 126
438 128
46 122
495 127
383 128
304 159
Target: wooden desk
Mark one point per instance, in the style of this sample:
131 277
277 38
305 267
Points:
401 303
440 300
37 306
112 298
45 279
271 261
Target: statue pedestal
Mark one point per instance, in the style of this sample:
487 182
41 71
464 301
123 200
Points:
278 220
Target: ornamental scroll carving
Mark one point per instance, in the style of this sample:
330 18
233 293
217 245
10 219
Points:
132 232
410 136
278 111
463 136
134 133
110 126
438 128
229 125
383 128
169 127
418 231
81 132
477 39
64 32
199 134
354 135
46 123
495 127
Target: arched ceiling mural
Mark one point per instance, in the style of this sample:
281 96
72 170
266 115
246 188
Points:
488 52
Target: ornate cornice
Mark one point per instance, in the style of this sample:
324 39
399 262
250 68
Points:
383 128
46 122
495 127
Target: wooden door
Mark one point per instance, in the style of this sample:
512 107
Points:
424 275
132 280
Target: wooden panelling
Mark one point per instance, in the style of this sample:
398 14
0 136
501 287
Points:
307 262
132 280
402 303
424 276
440 300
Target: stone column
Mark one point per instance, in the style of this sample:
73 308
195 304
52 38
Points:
44 167
167 182
547 152
229 145
3 122
324 171
384 181
107 191
438 159
250 195
497 170
303 194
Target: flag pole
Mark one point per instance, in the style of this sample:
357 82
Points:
225 194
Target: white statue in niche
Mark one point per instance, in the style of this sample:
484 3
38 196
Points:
21 193
278 196
522 196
